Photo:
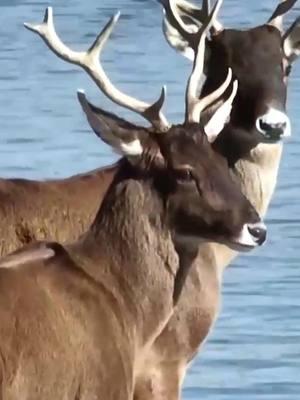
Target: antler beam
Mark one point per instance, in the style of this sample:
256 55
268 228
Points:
89 61
194 105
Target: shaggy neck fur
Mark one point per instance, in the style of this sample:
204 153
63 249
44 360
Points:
133 255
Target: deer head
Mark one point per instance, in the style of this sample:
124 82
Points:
193 181
260 58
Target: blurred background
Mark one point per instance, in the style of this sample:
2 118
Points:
254 350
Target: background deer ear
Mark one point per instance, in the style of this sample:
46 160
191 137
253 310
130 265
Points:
125 138
291 41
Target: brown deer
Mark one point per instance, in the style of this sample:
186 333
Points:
39 210
77 320
166 363
261 59
197 309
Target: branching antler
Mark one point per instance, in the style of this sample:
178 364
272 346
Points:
199 14
89 61
175 9
194 105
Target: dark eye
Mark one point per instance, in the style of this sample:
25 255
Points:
183 175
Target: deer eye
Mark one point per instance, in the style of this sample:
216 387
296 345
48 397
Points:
183 175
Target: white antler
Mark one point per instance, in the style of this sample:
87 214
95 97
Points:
175 9
194 105
216 124
89 61
200 14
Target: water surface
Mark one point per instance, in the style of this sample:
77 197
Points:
254 351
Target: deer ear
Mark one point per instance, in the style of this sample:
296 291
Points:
291 41
125 138
217 122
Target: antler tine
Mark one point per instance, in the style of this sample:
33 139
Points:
218 116
194 106
199 14
276 19
206 101
172 15
89 61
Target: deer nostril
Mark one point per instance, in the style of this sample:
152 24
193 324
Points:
271 130
258 232
274 125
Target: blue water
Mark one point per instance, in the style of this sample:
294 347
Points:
254 352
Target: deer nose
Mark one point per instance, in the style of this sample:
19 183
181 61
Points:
271 129
274 125
252 235
258 232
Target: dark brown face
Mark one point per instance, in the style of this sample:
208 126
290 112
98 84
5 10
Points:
257 60
202 198
188 180
260 59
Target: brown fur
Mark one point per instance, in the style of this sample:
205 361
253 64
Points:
160 370
77 322
199 303
59 209
256 169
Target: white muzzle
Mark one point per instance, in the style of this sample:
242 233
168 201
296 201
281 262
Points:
274 125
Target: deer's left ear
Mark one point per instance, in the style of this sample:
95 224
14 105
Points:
291 41
217 122
125 138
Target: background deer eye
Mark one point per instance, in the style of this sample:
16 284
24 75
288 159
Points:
183 175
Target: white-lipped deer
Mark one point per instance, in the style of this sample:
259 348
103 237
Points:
78 320
261 59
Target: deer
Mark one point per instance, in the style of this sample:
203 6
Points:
54 209
78 318
198 306
259 109
261 59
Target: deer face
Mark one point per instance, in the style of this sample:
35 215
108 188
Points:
203 201
256 58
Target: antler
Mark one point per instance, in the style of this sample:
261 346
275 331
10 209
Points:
175 9
199 14
174 19
89 61
194 105
277 17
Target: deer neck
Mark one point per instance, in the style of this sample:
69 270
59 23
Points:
131 252
257 174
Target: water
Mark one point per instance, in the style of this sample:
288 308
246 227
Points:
254 351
